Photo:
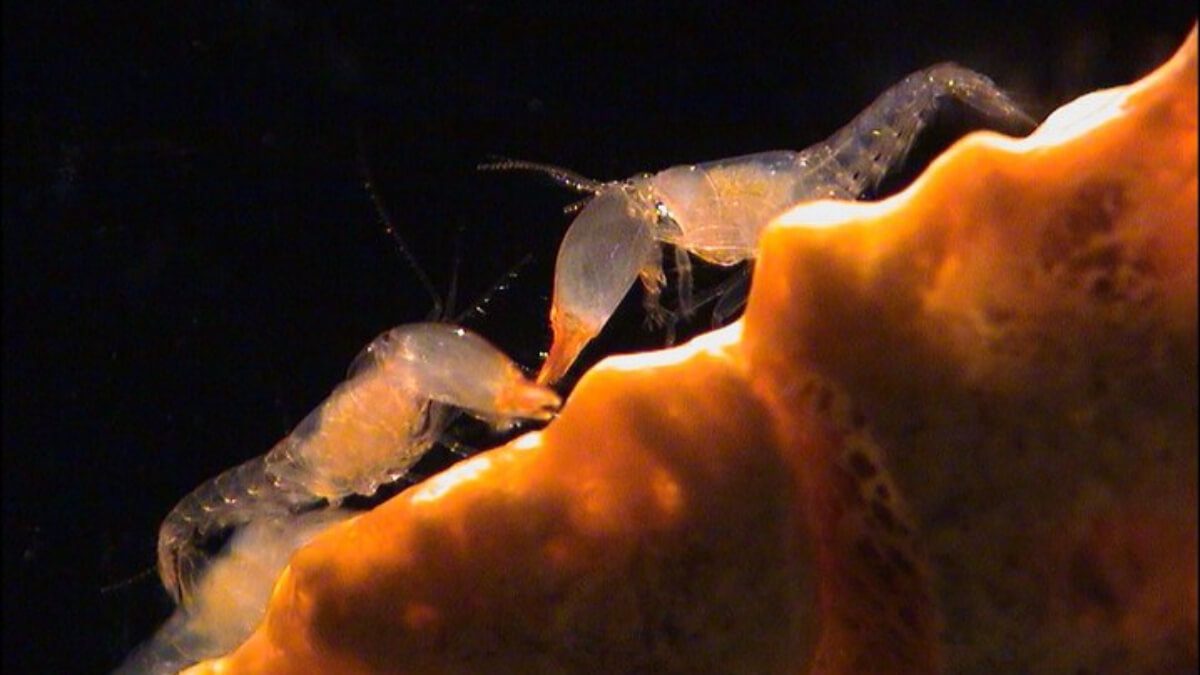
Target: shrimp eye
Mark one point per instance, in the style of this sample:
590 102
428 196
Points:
665 221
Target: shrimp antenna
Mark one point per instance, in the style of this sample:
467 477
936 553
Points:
479 307
126 583
385 220
564 177
576 206
452 291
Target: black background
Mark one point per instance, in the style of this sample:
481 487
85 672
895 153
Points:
191 261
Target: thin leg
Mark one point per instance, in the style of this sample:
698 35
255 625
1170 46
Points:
734 292
457 447
683 275
653 280
727 293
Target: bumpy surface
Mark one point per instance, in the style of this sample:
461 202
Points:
1019 328
957 427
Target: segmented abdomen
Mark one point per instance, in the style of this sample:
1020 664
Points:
857 157
244 493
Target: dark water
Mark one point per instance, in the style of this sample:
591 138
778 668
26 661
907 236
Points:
190 261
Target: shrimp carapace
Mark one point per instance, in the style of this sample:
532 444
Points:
717 210
370 431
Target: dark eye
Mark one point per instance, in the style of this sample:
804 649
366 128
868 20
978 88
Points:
666 221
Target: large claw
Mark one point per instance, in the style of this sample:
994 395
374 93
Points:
603 253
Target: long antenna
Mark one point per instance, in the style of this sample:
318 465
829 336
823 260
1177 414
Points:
479 308
441 309
385 220
452 291
564 177
125 583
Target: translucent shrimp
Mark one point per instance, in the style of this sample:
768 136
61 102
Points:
717 210
232 594
370 431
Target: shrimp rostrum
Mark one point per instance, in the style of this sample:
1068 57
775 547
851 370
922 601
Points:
398 397
717 210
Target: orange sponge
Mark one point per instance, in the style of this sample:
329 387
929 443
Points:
956 429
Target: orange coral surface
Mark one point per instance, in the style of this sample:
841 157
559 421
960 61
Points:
955 429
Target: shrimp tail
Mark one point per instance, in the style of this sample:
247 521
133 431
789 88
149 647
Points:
234 498
857 157
231 596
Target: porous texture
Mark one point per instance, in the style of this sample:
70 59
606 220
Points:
1019 331
955 431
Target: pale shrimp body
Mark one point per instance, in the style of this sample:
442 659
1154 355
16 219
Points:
231 596
717 210
368 432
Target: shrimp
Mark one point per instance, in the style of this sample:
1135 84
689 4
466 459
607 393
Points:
398 397
717 210
231 595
